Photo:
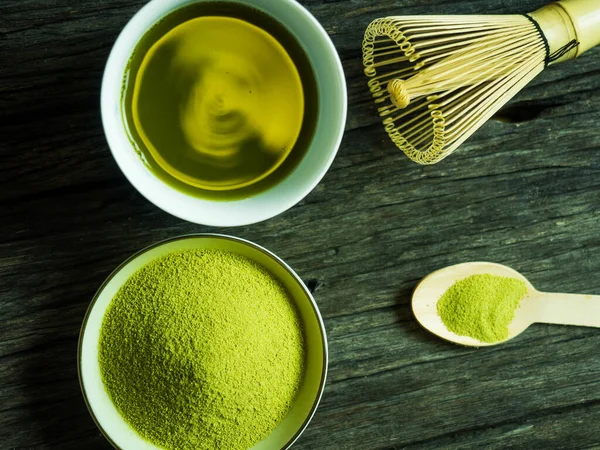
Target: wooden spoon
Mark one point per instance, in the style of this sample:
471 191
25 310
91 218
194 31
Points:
536 307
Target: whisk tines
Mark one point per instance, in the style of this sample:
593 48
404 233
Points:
437 79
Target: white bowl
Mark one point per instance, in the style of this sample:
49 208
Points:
102 409
331 91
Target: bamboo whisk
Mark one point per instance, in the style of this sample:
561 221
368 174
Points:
437 79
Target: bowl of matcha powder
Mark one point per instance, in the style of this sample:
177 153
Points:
203 342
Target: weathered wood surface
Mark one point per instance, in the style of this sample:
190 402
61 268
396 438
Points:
524 194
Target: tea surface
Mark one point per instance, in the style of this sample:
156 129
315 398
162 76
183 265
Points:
216 105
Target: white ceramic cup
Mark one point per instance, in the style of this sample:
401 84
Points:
102 409
331 87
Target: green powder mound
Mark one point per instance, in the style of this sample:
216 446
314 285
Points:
481 306
202 349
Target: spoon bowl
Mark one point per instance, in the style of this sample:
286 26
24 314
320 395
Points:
564 309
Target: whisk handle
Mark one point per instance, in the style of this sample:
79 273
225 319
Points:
570 20
585 15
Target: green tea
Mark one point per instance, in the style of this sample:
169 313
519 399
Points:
220 100
202 349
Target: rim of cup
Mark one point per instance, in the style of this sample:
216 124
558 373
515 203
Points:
329 130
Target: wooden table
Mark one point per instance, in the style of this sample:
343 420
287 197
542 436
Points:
523 193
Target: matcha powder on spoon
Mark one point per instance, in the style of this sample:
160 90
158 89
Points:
202 349
481 306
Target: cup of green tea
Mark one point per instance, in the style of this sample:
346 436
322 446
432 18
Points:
224 113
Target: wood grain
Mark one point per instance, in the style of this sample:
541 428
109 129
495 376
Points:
524 191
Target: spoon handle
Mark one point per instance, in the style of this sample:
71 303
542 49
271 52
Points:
569 309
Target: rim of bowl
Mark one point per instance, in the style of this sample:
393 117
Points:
263 250
186 214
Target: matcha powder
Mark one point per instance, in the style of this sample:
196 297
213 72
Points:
481 306
202 349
